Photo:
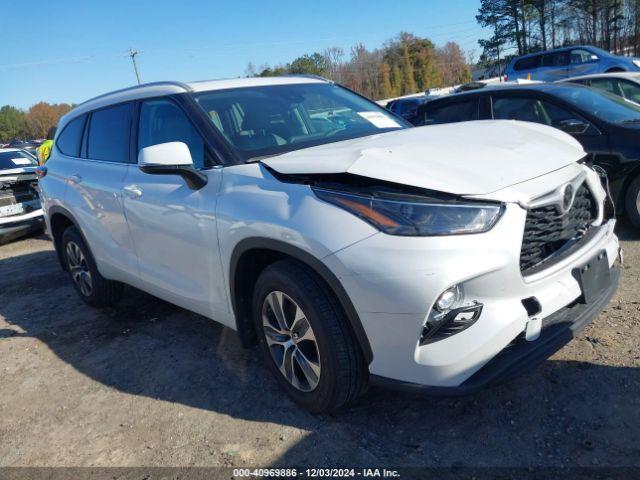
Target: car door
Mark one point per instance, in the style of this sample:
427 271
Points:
582 62
95 181
173 225
554 66
540 109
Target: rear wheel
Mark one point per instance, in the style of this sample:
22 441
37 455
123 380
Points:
93 288
632 202
305 338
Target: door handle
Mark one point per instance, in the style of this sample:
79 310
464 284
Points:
132 191
75 178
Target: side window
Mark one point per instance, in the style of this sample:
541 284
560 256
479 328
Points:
455 112
529 63
578 56
518 108
556 115
69 140
556 59
631 91
607 84
409 107
162 121
109 131
532 110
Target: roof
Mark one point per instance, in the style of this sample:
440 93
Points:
157 89
563 49
635 76
503 87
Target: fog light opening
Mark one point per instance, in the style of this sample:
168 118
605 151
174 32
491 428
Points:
449 315
448 299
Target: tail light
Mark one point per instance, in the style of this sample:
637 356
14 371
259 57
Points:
41 172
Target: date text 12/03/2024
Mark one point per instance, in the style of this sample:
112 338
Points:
317 472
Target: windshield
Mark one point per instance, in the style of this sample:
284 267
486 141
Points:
269 120
608 107
9 160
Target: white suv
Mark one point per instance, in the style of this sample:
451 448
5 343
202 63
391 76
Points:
352 247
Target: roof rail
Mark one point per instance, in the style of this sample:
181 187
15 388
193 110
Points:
136 87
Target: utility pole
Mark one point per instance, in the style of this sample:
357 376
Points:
132 54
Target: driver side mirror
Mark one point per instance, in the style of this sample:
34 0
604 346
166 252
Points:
573 126
171 158
594 58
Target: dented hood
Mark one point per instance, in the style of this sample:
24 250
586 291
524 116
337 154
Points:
468 158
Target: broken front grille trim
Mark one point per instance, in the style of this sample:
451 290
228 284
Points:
550 233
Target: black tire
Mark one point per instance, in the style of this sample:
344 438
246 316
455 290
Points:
344 374
632 202
103 292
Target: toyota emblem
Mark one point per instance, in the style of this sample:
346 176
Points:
567 197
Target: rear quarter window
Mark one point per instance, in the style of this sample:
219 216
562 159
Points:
70 139
528 63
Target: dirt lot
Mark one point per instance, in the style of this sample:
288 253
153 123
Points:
148 384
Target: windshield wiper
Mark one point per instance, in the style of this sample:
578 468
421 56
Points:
631 120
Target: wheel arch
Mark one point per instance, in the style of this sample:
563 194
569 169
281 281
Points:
59 220
633 174
251 255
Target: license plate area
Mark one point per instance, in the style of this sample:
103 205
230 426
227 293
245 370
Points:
10 210
593 276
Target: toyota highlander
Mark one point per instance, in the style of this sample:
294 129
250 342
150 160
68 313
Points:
350 246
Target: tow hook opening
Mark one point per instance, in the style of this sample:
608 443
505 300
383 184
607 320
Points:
532 306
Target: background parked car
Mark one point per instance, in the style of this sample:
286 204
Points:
405 107
607 126
20 210
623 84
569 62
26 145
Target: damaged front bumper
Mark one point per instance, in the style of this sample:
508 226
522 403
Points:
19 225
521 355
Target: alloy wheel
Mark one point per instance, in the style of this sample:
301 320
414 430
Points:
79 269
291 341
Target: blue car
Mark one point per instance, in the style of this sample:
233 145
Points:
568 62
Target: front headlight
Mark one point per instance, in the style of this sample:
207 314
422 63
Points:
409 215
636 62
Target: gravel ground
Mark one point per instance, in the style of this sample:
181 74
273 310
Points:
149 384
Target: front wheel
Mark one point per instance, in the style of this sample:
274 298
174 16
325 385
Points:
305 338
93 288
632 202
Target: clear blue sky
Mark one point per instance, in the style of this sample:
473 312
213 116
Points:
70 50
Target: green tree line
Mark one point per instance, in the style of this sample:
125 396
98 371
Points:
404 65
524 26
17 124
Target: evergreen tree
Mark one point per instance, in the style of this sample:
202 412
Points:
386 91
408 80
